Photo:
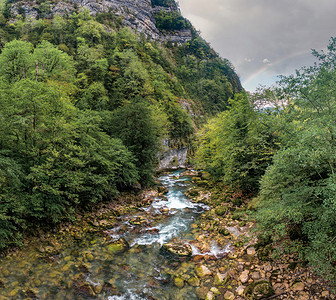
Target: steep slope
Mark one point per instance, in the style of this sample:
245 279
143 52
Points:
90 93
135 14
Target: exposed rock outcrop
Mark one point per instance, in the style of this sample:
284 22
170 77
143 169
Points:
136 14
173 159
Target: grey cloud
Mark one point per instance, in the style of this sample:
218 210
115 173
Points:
259 29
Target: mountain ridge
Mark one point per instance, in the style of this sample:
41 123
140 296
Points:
136 14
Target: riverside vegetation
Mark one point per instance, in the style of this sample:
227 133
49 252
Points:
84 106
283 156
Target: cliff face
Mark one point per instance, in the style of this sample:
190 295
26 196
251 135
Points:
136 14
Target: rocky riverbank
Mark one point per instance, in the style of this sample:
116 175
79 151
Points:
250 270
220 257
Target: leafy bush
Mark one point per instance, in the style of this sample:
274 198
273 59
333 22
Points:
171 21
297 196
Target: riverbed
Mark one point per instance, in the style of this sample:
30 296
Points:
88 270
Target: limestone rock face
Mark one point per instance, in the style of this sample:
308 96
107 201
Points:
136 14
173 159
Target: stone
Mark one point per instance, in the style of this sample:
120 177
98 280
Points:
202 271
244 276
299 286
179 282
304 296
215 290
85 289
118 246
89 256
251 251
229 295
224 231
194 281
221 278
138 220
210 296
256 275
240 290
220 210
177 248
259 290
202 292
325 294
98 288
268 267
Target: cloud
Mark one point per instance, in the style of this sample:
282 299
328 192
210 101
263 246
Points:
276 30
266 61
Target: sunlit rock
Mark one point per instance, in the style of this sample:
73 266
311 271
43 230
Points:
118 246
178 248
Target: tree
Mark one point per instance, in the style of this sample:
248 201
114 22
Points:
297 196
134 124
16 61
237 146
52 63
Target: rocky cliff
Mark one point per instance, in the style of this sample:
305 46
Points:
136 14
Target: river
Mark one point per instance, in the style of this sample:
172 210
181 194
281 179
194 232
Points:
87 270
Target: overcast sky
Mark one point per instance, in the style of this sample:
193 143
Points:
263 38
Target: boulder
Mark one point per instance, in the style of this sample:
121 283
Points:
251 251
221 278
210 296
118 246
244 276
202 292
240 290
229 295
139 220
177 248
299 286
259 290
215 290
179 282
202 271
194 281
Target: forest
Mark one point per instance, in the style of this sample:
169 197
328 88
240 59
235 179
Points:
84 110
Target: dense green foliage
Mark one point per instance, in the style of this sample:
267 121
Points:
164 3
84 107
296 188
171 21
297 195
236 146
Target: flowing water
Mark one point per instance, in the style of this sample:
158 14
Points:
87 270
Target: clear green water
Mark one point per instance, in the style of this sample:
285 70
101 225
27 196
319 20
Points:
87 270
